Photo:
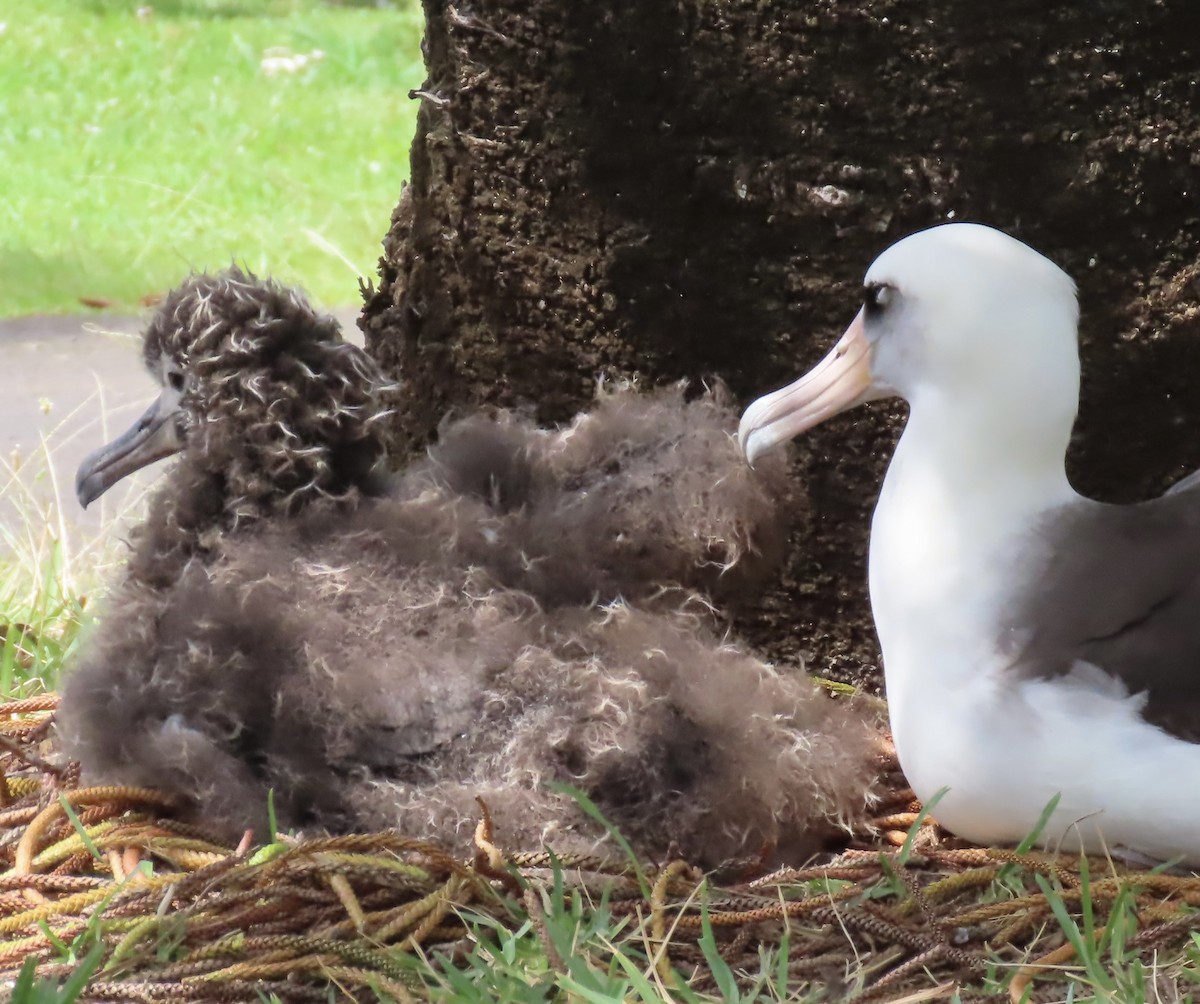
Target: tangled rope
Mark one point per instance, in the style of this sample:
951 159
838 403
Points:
177 914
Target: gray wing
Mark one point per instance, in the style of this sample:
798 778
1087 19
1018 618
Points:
1119 587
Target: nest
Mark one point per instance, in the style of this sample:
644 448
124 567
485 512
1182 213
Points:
165 911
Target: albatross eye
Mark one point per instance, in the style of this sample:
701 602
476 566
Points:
876 298
175 380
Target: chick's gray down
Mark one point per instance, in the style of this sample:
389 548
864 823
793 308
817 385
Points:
518 606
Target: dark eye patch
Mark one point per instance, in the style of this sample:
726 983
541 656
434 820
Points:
175 379
876 297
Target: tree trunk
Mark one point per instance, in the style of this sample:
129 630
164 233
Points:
693 188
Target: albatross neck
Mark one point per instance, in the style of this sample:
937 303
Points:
962 494
1003 457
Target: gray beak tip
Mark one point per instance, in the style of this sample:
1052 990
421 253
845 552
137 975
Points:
87 486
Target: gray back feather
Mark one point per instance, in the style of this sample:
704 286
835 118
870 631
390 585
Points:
1118 587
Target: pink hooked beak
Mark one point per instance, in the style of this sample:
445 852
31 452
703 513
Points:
839 381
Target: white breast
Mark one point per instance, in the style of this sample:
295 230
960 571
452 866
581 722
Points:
944 558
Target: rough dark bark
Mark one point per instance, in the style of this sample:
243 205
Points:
671 189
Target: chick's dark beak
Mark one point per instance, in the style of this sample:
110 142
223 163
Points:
155 435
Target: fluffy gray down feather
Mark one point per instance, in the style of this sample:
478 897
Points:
521 606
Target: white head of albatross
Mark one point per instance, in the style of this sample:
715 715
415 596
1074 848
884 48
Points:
1035 643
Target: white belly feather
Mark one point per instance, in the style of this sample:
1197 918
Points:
941 561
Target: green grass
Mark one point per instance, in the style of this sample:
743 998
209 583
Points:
47 576
52 566
572 948
136 147
30 989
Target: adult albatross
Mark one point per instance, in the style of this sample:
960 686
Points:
1035 642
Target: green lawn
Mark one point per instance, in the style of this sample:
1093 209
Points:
140 141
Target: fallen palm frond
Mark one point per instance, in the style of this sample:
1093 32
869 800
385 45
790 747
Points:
181 915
